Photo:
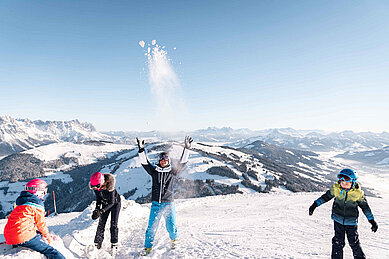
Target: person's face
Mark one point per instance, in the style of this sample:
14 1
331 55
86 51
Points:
346 185
164 163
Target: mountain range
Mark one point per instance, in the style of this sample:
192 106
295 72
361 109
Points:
21 134
212 170
222 161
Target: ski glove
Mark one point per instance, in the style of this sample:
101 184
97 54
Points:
188 142
141 145
97 213
312 208
374 225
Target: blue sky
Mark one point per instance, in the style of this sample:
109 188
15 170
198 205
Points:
244 64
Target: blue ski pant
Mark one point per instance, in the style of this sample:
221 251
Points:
39 245
158 210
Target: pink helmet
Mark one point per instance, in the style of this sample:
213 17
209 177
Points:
96 181
37 187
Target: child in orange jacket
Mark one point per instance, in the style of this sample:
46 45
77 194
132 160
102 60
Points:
28 219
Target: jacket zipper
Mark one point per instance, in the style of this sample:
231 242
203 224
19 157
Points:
160 189
344 208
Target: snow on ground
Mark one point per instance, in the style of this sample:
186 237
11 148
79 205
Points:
274 225
86 154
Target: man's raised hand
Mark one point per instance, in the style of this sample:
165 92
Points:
141 144
188 142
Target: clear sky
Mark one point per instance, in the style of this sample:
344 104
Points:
243 64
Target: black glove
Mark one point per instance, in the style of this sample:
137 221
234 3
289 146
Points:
188 142
97 213
374 225
141 145
312 208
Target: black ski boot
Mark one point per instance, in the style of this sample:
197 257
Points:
114 249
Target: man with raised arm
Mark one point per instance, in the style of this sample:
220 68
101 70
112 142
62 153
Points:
163 177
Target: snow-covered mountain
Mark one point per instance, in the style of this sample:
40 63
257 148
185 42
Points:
21 134
310 140
218 165
274 225
211 134
377 157
318 141
211 170
63 165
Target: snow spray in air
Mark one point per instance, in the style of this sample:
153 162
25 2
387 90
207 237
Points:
164 85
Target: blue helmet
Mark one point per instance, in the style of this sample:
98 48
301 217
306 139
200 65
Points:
348 175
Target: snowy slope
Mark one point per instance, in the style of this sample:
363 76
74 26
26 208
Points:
131 175
234 226
132 178
211 170
85 154
82 154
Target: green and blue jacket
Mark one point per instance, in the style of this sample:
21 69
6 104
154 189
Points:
346 203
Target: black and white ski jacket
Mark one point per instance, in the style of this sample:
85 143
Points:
163 178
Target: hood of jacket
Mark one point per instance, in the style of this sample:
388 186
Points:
109 182
26 197
354 194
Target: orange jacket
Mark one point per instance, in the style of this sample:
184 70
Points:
25 220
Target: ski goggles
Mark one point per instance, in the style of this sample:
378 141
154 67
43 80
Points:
344 177
164 157
92 187
38 189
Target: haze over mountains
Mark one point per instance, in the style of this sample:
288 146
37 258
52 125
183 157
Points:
312 140
21 134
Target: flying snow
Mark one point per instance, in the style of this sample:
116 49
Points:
164 85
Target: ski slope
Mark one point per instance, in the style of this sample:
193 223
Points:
274 225
85 154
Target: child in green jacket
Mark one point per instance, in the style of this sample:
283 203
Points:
348 197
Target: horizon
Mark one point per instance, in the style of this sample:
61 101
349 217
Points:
250 64
325 132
